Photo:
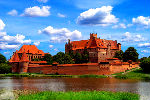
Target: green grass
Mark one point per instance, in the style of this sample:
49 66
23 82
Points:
136 74
82 95
43 75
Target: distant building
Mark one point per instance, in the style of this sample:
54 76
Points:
21 59
98 49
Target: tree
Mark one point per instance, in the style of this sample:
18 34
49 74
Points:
5 68
85 56
59 57
143 58
145 65
48 58
119 54
2 59
78 58
130 54
68 60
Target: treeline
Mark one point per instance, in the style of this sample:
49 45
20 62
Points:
4 66
145 64
66 58
129 54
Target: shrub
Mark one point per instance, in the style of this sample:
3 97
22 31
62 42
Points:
2 59
5 68
145 65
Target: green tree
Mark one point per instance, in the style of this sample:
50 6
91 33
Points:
119 54
68 60
5 68
85 56
130 54
145 65
48 58
78 58
2 59
59 57
143 58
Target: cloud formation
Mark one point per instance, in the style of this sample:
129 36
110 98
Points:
51 46
62 34
2 25
60 15
43 1
142 21
11 42
99 16
145 51
144 45
128 37
36 43
13 12
121 25
37 11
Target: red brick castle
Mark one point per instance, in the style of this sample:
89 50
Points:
98 49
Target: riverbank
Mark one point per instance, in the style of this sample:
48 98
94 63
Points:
46 75
82 95
135 74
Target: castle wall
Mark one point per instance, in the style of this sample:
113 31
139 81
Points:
81 69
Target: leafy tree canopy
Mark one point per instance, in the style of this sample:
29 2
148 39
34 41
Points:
119 54
130 54
145 65
5 68
2 59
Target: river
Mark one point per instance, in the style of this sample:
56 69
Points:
77 84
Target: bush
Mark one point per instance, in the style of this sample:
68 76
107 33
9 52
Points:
5 68
145 65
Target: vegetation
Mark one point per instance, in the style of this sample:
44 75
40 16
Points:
145 65
2 59
136 74
48 58
49 75
129 54
4 67
82 95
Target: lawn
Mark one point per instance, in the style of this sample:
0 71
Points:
82 95
136 74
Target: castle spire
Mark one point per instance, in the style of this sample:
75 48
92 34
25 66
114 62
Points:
15 58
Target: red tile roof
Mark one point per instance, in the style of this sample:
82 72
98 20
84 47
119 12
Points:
94 43
24 57
14 58
30 49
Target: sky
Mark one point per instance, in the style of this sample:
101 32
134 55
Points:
49 24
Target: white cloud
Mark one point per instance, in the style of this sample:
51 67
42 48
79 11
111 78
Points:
7 52
37 11
51 46
43 1
18 39
2 25
142 21
13 12
62 34
147 45
121 25
99 16
36 43
145 51
60 15
2 34
4 45
128 37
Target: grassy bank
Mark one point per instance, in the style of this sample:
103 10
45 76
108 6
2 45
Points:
136 74
43 75
83 95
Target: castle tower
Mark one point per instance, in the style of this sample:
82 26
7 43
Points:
14 61
92 35
24 62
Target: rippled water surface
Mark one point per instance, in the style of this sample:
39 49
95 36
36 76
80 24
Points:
77 84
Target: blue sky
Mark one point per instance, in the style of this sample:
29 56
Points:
50 23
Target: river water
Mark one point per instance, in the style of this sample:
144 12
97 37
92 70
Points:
77 84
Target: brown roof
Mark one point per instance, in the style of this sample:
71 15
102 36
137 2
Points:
30 49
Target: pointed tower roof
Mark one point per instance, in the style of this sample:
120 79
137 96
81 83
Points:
24 57
15 58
